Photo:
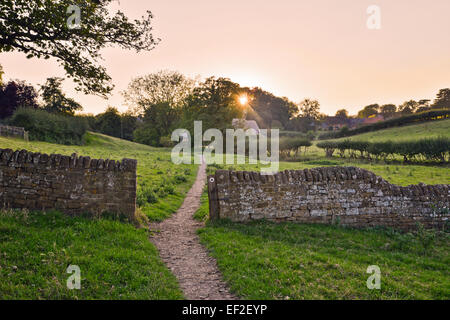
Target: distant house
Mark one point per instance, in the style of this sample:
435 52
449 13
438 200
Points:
245 124
337 123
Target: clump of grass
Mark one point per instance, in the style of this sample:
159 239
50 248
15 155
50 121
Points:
202 214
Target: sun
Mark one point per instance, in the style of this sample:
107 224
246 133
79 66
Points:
243 100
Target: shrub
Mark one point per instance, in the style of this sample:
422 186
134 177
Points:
166 142
180 179
49 127
145 195
288 145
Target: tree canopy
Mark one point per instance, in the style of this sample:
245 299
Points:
169 87
342 113
269 110
442 100
42 29
16 94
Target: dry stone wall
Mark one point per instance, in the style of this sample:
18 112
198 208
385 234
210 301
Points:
346 195
74 185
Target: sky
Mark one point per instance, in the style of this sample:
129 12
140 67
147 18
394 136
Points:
319 49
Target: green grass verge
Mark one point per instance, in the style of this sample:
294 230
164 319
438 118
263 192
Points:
116 260
162 184
263 260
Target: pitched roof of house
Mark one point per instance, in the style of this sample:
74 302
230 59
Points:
248 124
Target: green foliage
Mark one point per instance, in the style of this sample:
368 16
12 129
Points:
431 149
214 102
292 145
15 95
147 134
268 110
54 128
55 100
109 122
426 237
41 29
167 88
369 110
202 214
166 142
395 122
146 195
442 100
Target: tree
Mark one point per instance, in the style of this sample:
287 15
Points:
169 87
215 103
267 109
423 105
408 107
308 117
109 122
442 100
369 110
129 125
310 109
342 113
159 98
55 100
16 94
388 110
45 29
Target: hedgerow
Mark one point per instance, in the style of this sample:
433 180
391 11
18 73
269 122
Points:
395 122
430 149
289 145
50 127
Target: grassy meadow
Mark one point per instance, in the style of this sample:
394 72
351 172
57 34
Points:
259 260
117 261
263 260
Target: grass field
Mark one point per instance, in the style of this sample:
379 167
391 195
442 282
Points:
116 260
162 185
263 260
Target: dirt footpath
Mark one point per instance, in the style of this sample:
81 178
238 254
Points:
180 249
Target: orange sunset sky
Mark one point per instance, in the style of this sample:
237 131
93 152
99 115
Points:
320 49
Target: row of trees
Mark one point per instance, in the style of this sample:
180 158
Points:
17 94
442 101
168 100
